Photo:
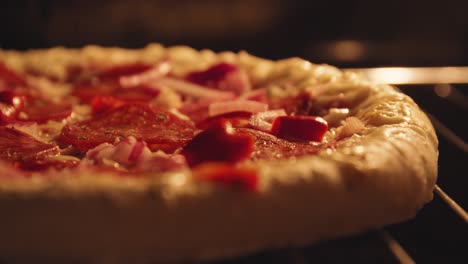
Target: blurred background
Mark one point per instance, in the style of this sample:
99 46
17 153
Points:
345 33
352 33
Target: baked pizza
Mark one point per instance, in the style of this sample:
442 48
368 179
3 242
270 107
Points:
171 154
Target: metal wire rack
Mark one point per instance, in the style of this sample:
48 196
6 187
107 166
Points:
439 233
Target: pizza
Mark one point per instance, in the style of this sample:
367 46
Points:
171 154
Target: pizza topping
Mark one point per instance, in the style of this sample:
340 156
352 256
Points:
351 126
11 104
204 113
194 90
336 115
127 131
300 128
118 80
236 119
157 71
228 175
45 132
22 107
197 111
159 161
259 94
133 155
217 108
223 76
159 128
101 104
118 71
87 90
212 75
123 153
263 121
269 147
219 142
16 146
42 110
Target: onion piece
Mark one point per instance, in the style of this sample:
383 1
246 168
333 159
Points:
254 95
157 71
194 90
336 115
119 154
133 155
160 161
263 121
218 108
137 150
351 126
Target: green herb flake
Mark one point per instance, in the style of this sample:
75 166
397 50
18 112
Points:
82 138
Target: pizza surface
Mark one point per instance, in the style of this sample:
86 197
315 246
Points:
172 154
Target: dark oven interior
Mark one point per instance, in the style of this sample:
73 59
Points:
349 34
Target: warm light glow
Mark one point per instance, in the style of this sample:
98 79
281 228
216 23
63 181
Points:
390 75
416 75
178 179
443 90
347 50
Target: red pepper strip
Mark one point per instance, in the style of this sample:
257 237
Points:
300 128
219 142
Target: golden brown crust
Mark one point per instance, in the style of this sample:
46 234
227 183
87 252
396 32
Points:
380 176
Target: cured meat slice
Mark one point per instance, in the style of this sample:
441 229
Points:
42 110
269 147
24 107
17 146
11 104
86 91
160 129
107 82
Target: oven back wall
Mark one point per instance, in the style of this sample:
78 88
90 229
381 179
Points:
345 33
